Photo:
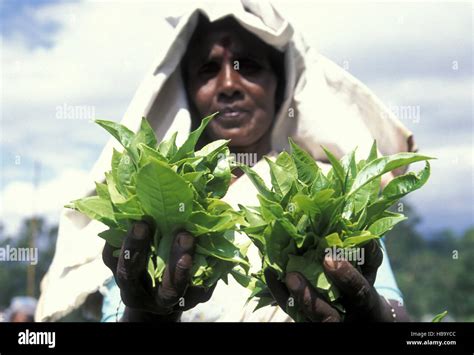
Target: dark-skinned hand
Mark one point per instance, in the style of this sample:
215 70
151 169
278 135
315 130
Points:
358 295
168 299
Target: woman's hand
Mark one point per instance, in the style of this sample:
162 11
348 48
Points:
167 300
358 295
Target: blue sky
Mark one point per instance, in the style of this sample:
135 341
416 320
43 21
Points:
93 55
18 20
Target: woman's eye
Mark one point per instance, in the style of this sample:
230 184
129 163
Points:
249 66
209 68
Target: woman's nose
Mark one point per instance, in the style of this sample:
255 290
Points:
229 83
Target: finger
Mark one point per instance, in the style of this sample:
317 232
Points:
309 301
277 288
131 275
196 295
133 257
373 260
108 258
358 294
177 274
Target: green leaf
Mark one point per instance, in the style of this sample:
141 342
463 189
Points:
321 197
292 232
197 179
201 223
286 162
116 156
289 195
258 183
373 152
279 245
118 131
145 135
165 196
397 188
122 134
102 191
360 239
114 237
96 208
151 270
383 225
337 167
168 148
124 174
130 206
114 194
366 194
306 166
382 165
439 317
270 210
222 175
254 219
402 185
211 151
147 153
220 248
281 180
320 183
306 204
350 169
263 302
188 146
216 206
243 279
333 240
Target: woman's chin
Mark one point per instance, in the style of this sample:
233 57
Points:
239 137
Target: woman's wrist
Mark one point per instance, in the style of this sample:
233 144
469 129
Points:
135 315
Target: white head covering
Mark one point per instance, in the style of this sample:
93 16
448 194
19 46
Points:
323 105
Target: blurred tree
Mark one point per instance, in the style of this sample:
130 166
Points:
13 274
433 272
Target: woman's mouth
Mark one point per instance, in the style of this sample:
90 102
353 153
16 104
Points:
232 117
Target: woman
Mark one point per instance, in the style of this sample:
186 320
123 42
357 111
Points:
245 62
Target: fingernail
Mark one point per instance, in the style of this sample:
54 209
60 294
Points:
185 240
293 282
185 262
330 262
140 230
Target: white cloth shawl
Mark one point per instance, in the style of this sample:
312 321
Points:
323 105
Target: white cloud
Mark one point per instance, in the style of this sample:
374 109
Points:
456 92
98 59
352 27
21 200
104 49
446 199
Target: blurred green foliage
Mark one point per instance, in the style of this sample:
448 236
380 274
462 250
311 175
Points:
434 272
13 275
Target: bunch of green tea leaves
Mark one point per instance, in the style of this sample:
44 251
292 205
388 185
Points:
173 188
307 213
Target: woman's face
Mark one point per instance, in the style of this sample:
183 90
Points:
229 71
